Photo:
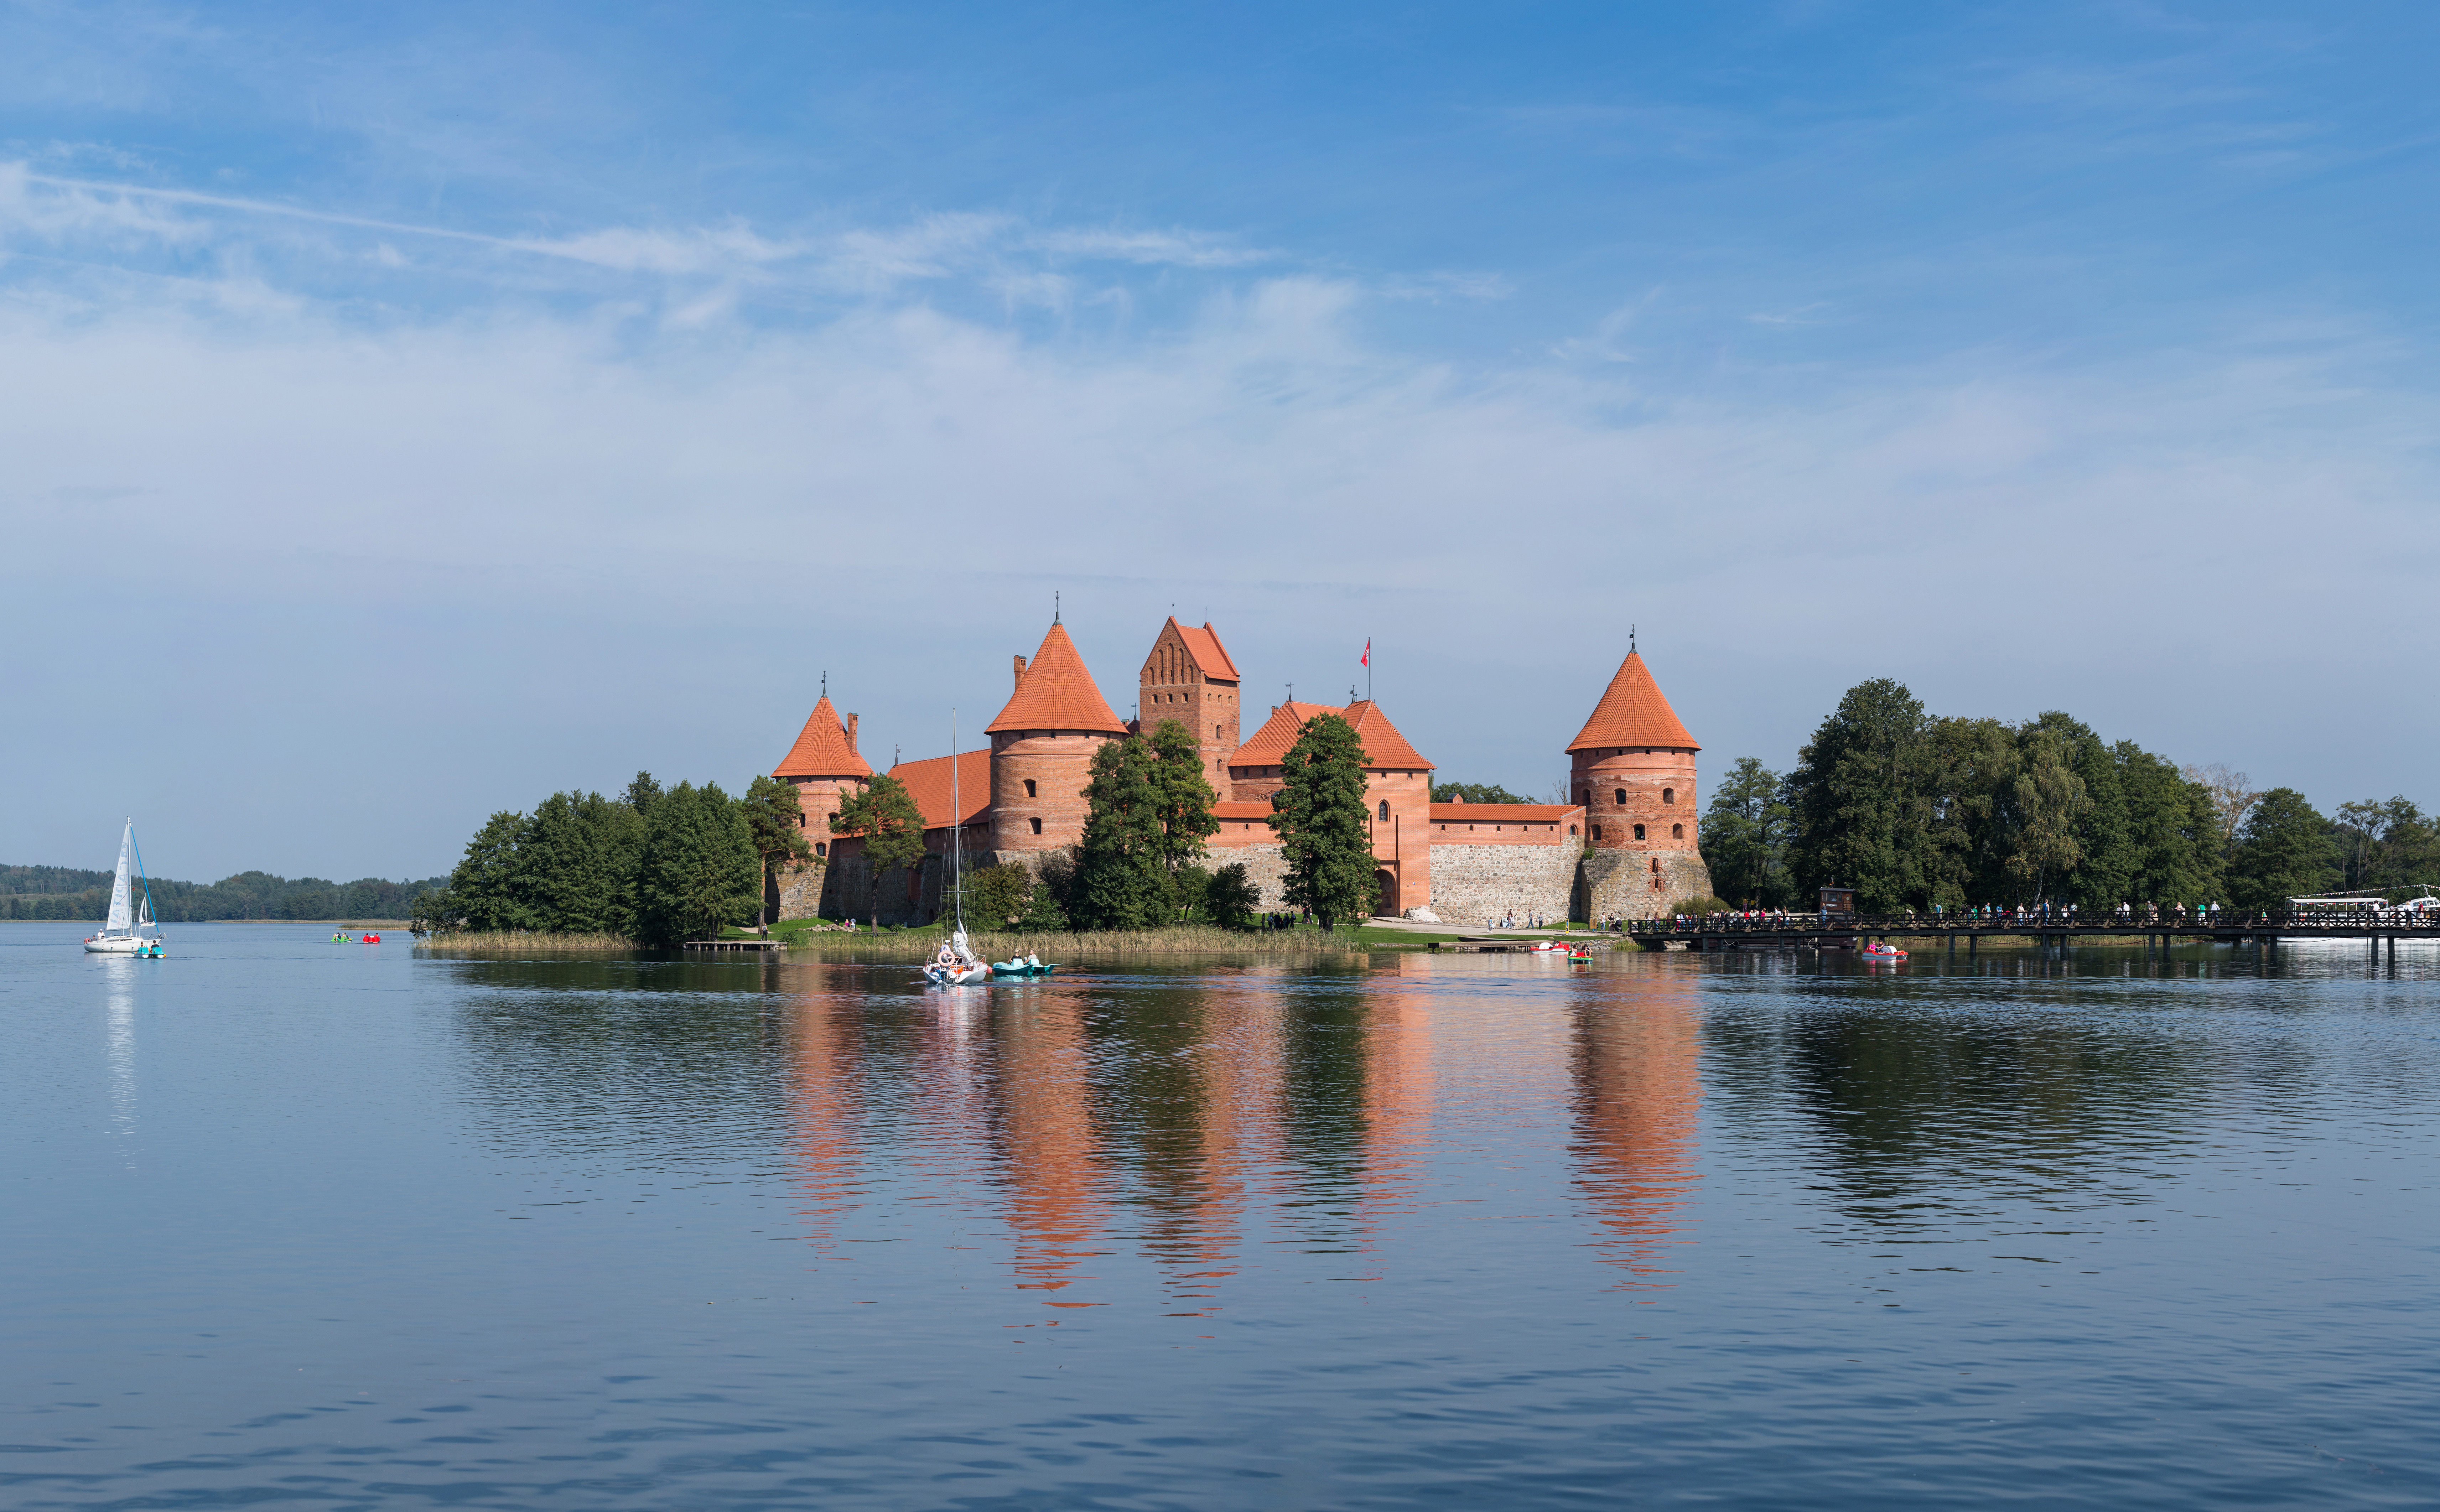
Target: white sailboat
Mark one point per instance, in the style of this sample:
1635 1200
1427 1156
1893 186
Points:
956 964
123 934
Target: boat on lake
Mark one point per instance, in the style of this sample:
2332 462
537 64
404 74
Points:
131 912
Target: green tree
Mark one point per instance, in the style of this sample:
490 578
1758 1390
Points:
1862 812
776 817
1967 776
2283 851
573 867
641 794
2385 845
699 868
1745 835
2173 852
884 813
1230 899
1474 793
483 888
1321 820
1121 866
1000 893
2047 809
1182 797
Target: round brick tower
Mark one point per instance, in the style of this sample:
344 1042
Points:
1632 767
824 768
1042 748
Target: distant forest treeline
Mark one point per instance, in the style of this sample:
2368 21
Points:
72 892
1915 811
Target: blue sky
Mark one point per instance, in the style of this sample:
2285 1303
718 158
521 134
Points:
408 415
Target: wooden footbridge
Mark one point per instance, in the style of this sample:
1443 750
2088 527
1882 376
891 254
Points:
2266 929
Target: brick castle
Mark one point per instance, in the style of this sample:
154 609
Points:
1625 848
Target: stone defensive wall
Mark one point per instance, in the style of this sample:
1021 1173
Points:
1471 883
1639 884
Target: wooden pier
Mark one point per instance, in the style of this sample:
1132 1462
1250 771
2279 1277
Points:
735 944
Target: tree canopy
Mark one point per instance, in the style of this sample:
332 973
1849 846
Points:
884 814
1324 823
1474 793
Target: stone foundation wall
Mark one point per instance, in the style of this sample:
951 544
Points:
1471 883
1622 883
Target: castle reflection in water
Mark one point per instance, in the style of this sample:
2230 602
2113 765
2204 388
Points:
1190 1122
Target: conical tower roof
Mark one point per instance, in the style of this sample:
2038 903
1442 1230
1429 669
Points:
1632 713
821 749
1057 692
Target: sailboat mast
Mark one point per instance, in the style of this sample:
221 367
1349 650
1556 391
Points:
957 831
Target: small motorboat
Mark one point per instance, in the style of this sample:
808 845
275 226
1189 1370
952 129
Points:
1028 967
1883 951
1551 947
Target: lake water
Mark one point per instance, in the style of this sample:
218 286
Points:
338 1226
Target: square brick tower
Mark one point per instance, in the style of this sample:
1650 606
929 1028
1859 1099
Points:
1632 768
1188 678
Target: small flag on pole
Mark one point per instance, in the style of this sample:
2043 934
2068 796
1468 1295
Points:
1367 654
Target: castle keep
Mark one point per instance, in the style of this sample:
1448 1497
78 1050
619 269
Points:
1624 848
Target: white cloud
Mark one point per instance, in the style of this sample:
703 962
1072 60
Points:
538 523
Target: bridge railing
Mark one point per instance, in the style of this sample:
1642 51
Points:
2036 921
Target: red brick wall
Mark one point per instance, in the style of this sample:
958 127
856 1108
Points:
1659 794
1059 763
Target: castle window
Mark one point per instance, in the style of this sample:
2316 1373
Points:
1639 831
1037 826
1669 795
821 848
1029 787
1571 829
1676 832
1585 798
1597 831
1621 798
1385 809
1656 863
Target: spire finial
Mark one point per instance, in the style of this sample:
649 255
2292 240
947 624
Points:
1630 639
826 683
1054 606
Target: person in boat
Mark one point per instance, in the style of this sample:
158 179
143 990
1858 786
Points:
1033 961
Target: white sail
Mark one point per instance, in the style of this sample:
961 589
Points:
122 915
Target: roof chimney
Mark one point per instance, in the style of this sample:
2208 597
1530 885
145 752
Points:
851 735
1020 673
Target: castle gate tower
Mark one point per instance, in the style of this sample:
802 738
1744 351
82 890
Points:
1632 768
1042 748
1189 678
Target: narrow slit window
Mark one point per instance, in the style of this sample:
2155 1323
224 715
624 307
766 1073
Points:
1669 795
1676 832
1037 826
1639 831
1029 787
1385 810
1621 798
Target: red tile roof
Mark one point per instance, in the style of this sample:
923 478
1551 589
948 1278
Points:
1503 813
927 783
1269 745
1229 808
1632 713
1210 656
1057 693
1384 748
821 749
